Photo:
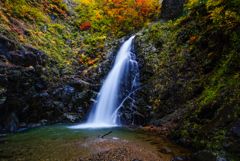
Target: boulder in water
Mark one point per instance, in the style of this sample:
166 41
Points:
165 151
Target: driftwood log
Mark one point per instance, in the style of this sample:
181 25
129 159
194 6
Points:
106 134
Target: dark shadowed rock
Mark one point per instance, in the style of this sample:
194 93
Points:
29 59
180 158
5 45
64 72
25 57
136 159
38 70
70 117
204 155
236 129
2 101
34 124
54 71
68 94
221 159
12 123
79 84
165 151
22 125
171 9
58 105
3 80
3 58
16 58
44 95
26 33
40 84
43 121
40 57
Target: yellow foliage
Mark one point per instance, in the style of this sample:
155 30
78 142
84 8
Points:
4 18
216 14
98 16
86 2
213 3
191 3
20 37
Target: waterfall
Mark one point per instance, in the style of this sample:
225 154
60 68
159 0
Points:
120 83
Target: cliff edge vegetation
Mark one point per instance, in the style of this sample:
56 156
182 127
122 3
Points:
191 69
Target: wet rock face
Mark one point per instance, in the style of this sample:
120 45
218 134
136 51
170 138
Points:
12 123
171 9
27 96
29 99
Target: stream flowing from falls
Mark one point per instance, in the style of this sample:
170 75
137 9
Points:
121 82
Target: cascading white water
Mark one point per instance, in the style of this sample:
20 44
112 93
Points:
105 109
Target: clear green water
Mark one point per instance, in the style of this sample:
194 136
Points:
58 142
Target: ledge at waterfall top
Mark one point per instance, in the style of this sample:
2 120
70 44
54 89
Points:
120 83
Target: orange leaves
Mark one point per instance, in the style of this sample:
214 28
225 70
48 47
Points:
91 62
142 7
140 2
120 19
80 60
87 60
150 127
193 38
85 26
54 8
117 16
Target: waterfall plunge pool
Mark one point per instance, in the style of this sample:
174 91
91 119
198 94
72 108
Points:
83 141
59 142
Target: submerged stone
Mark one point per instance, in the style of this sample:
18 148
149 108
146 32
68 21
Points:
165 151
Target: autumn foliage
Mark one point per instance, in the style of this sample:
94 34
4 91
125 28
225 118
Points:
193 38
116 16
32 11
85 26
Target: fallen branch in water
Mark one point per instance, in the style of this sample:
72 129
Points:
106 134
